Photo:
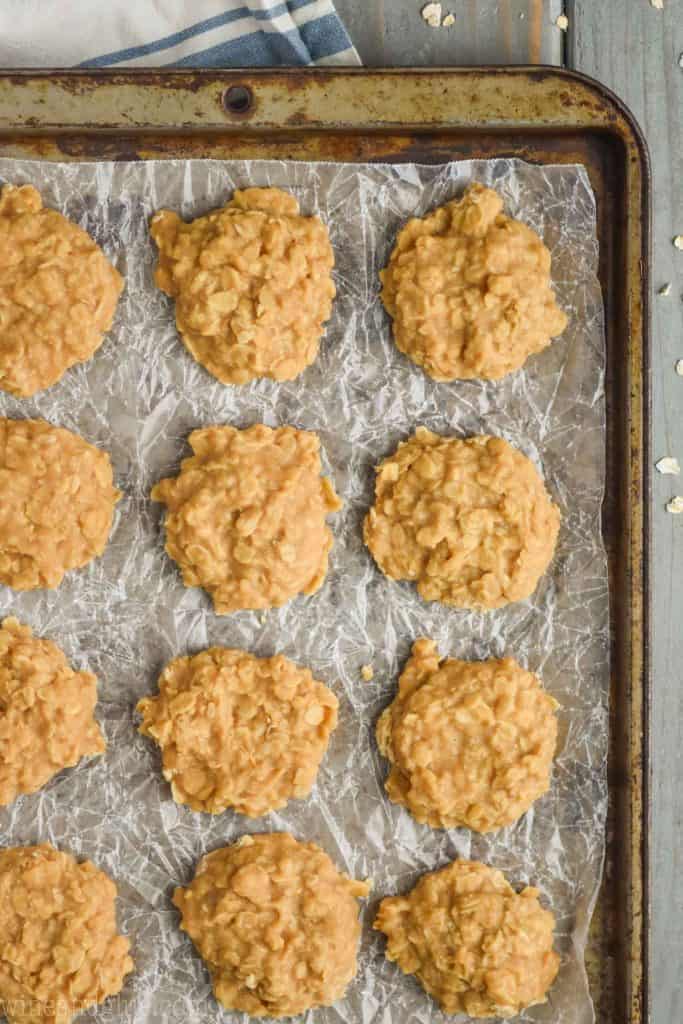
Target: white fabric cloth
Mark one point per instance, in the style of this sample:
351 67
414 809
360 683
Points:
179 33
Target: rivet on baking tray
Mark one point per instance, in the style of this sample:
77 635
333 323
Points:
238 99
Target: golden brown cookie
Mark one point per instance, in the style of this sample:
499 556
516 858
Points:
60 952
47 718
469 521
475 945
239 731
252 284
57 503
276 924
246 515
469 290
58 293
471 743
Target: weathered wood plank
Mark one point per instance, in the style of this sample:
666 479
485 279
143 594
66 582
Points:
392 32
634 49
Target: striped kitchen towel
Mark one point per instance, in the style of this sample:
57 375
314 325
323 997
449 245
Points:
171 33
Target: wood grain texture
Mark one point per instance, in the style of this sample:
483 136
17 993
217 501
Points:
392 32
634 49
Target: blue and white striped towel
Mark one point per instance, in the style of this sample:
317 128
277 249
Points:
171 33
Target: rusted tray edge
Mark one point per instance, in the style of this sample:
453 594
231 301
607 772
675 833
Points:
640 196
359 100
308 99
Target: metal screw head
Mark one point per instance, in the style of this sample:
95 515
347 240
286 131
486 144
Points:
238 99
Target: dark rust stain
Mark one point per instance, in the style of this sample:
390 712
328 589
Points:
81 146
540 74
297 117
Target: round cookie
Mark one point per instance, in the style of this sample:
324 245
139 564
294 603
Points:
60 952
46 712
469 290
471 743
476 946
469 521
246 516
276 924
239 731
58 293
252 284
58 503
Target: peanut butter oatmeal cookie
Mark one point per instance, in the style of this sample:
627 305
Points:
471 743
276 924
468 520
476 945
46 712
469 290
239 731
60 952
58 293
252 284
246 515
57 503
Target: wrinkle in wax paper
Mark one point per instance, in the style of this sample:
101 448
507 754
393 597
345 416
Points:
127 613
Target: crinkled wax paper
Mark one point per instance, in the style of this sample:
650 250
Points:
125 615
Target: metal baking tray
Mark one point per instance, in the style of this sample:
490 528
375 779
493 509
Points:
544 115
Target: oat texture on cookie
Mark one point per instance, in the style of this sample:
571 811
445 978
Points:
468 290
470 743
476 946
469 521
60 952
58 293
47 718
252 284
276 924
239 731
246 516
57 503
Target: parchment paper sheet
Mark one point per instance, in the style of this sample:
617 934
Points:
125 615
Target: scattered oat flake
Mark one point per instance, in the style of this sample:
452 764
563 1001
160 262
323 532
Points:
668 465
680 61
562 22
675 506
679 367
431 13
657 4
665 289
678 241
367 672
448 21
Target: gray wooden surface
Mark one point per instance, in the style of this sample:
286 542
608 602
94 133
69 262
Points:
485 32
634 49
